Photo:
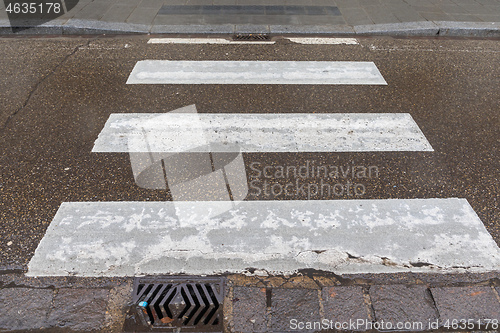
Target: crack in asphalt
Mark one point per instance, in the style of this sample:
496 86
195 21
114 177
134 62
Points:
370 310
35 88
495 292
433 300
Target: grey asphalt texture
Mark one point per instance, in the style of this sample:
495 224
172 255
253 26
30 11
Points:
346 17
57 93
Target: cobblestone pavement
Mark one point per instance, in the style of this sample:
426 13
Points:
262 304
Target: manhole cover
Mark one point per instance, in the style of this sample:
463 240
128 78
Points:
252 37
175 304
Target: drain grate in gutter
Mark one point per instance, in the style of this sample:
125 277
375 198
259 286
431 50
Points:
252 37
193 304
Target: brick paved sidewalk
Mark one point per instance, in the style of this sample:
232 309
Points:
424 17
270 304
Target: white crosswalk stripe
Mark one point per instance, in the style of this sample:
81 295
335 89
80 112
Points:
292 132
204 41
344 236
196 235
301 40
255 72
324 41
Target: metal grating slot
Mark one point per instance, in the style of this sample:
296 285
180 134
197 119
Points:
252 37
192 304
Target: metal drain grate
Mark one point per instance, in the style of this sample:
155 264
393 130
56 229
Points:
252 37
190 303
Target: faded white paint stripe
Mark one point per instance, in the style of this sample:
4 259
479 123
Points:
202 41
305 40
325 41
343 236
284 132
255 72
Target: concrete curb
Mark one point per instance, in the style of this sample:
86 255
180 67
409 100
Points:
423 28
78 26
313 29
469 29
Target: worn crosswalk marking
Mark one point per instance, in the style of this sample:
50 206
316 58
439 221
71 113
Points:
298 40
343 236
291 132
255 72
324 41
204 41
220 235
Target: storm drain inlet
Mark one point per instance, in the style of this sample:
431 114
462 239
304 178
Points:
193 304
252 37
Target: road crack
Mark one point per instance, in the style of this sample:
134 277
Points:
43 79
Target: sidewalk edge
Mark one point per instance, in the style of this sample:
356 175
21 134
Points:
422 28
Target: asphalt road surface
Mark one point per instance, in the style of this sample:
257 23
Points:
57 94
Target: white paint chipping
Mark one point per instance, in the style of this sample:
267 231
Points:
203 41
305 41
284 132
325 41
343 236
255 72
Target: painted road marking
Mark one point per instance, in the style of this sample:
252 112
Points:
325 41
343 236
284 132
306 41
203 41
255 72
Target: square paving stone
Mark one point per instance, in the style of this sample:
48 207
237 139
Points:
179 20
154 4
483 10
347 3
419 2
403 304
225 2
275 10
249 309
488 2
323 3
369 3
474 302
344 304
142 16
431 16
24 308
118 13
320 20
175 2
394 2
409 16
489 18
356 16
453 9
79 309
297 2
294 310
380 14
93 11
465 18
